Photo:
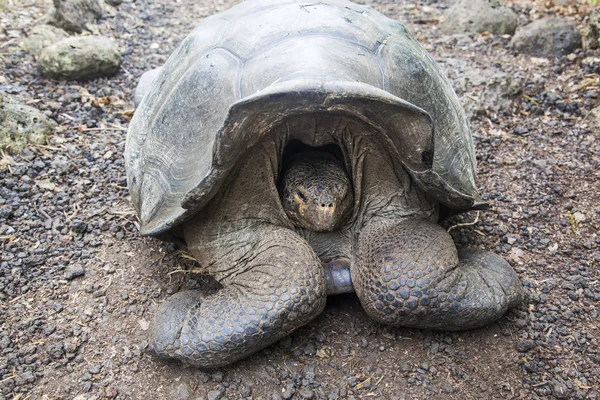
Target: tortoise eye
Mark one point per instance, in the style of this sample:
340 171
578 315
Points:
301 196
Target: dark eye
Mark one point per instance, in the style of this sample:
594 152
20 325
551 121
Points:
301 196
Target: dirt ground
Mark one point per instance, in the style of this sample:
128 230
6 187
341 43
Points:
64 206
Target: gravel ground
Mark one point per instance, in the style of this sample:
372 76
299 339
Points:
78 284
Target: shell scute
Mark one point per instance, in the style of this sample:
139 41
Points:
238 72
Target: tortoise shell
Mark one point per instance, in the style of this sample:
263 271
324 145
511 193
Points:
241 72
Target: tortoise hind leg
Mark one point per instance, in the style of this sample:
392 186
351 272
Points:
281 288
410 274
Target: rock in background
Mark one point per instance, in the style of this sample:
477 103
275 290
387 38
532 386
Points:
592 36
75 15
42 36
477 16
21 124
79 58
481 90
547 37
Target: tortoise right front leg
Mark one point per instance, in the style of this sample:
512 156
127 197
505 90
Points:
279 289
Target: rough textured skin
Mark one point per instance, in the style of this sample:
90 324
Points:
316 193
206 149
408 273
405 268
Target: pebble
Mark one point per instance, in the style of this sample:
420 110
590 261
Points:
288 391
524 345
73 271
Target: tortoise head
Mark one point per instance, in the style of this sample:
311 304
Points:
316 192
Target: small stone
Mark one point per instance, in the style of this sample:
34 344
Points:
573 295
559 389
110 392
217 376
310 349
182 391
289 391
73 271
446 388
520 130
524 345
405 367
78 226
215 395
94 369
592 36
21 125
306 393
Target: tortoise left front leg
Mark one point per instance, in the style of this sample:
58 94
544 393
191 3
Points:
409 273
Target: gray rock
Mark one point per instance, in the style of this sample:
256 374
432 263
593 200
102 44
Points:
524 345
144 84
594 117
547 37
476 16
215 395
559 389
181 392
75 15
592 35
42 36
480 90
73 271
21 125
80 58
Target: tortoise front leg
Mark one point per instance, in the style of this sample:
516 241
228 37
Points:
410 274
279 289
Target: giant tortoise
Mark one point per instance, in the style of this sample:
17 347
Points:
287 140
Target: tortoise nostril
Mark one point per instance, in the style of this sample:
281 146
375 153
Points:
330 205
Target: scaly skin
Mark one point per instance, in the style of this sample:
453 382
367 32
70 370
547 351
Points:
409 273
282 289
316 192
405 269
